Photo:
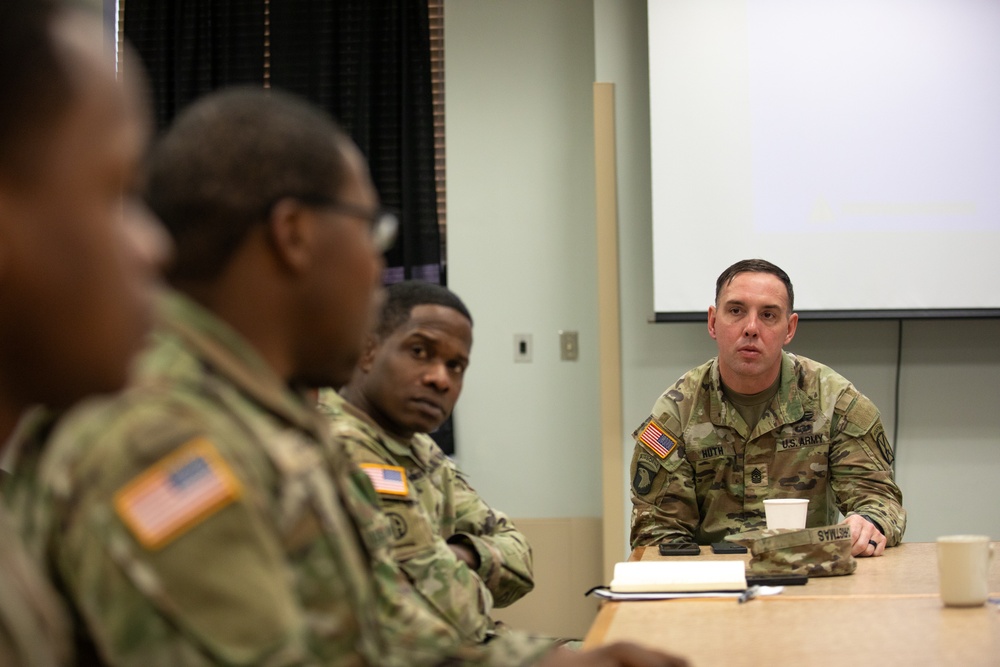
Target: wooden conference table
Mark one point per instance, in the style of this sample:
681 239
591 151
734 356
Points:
887 613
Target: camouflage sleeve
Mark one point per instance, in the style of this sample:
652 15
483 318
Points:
34 631
664 504
209 586
453 591
861 467
504 553
510 649
406 621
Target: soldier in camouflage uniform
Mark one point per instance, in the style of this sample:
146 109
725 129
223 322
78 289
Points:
202 517
456 550
261 509
757 422
75 276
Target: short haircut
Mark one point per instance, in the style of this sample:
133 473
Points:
34 77
224 163
755 266
402 298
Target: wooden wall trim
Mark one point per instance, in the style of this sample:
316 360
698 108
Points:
609 325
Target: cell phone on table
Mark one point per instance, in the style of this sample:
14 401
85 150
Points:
777 579
728 548
679 549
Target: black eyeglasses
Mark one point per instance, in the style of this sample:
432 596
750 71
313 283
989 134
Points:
383 223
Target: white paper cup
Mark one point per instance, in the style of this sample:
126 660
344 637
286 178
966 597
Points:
786 512
963 567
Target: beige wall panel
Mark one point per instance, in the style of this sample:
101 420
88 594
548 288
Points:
567 554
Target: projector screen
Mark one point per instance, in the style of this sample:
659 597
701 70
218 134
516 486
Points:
854 143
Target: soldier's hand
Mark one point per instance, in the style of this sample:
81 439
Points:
619 654
866 539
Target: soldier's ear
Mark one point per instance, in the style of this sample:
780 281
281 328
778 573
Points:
291 231
711 321
368 355
793 323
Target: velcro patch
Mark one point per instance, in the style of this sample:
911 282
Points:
387 479
176 493
642 481
883 444
755 475
713 451
657 439
862 413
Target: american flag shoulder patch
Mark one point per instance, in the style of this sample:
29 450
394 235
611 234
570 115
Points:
176 493
387 479
657 439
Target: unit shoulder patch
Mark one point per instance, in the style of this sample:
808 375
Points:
176 493
642 481
656 438
389 480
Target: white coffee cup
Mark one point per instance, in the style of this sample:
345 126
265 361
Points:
963 567
786 512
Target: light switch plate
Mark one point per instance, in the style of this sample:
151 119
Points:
569 345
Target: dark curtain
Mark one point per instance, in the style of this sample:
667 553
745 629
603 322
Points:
192 47
367 62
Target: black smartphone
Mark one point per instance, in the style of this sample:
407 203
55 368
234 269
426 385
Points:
679 549
777 579
728 548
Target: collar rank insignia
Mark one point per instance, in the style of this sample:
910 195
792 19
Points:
386 479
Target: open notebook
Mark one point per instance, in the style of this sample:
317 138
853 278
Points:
679 576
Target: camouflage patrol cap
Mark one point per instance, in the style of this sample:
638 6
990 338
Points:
817 552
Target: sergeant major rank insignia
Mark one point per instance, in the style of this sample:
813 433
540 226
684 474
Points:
656 438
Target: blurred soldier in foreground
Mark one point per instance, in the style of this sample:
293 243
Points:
204 517
76 276
757 422
458 552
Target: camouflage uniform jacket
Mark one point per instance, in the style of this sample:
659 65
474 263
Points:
34 631
698 474
434 508
200 519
